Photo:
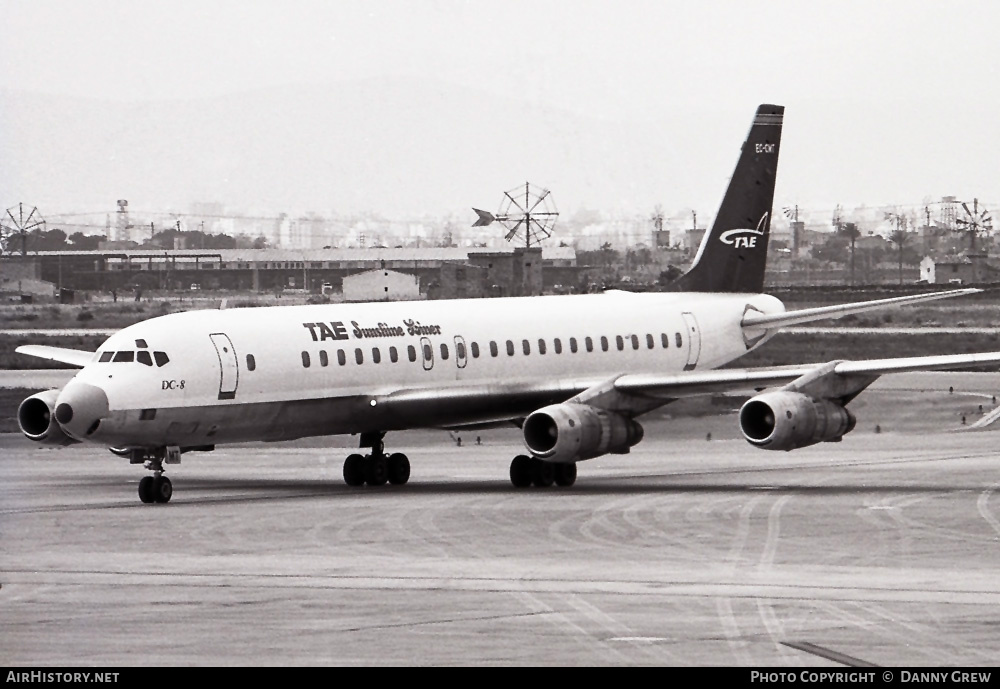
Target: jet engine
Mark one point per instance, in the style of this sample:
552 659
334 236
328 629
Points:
37 419
570 432
784 420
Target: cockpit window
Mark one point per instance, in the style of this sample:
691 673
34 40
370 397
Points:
124 356
161 358
106 356
143 357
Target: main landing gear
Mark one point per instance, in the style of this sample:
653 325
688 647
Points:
528 471
378 468
155 488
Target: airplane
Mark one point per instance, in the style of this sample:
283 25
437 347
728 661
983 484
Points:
575 372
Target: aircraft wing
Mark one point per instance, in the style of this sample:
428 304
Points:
638 393
754 319
73 357
690 383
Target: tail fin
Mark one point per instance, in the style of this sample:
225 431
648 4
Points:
732 256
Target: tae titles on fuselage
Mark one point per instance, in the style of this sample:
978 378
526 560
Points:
336 330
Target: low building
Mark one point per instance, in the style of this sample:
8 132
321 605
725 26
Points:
21 279
970 269
381 285
515 271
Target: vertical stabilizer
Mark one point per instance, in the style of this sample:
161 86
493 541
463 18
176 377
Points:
732 256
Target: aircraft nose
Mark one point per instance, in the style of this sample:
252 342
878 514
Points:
80 408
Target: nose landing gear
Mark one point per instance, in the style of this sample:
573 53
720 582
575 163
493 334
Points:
155 488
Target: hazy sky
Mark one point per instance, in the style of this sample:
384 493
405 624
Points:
887 102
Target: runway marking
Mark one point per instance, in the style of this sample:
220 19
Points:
640 639
614 626
836 657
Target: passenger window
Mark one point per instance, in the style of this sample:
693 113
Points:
160 358
376 355
144 358
510 348
604 343
124 356
411 352
635 342
251 362
444 351
106 356
526 347
572 345
493 348
359 356
650 343
393 355
341 357
664 340
541 346
680 340
428 353
460 350
557 345
590 344
324 360
305 359
475 350
620 342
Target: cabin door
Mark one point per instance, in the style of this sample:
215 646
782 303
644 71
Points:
693 337
229 368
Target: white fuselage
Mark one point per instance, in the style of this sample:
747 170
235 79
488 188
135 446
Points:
283 372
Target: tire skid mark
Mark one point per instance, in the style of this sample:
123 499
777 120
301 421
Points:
742 534
775 630
739 646
983 505
892 635
565 624
773 533
945 533
931 634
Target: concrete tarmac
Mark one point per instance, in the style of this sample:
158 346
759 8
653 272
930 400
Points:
882 549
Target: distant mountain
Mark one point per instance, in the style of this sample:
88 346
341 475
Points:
393 145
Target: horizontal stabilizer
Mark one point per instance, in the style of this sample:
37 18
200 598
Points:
73 357
754 319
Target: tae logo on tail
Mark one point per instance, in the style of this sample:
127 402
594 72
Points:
744 238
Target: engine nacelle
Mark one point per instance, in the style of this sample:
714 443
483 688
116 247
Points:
37 420
570 432
789 420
